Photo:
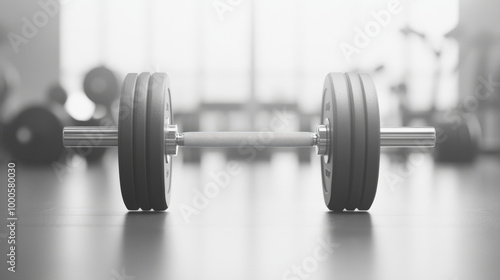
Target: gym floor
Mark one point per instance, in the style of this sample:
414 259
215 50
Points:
269 221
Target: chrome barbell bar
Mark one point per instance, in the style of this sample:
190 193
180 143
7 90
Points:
402 137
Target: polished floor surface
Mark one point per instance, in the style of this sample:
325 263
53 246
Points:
267 222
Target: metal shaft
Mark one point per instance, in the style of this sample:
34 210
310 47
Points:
407 137
228 139
84 137
90 136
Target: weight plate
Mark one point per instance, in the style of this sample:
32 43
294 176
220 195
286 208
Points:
358 146
336 170
101 86
125 142
159 165
139 148
34 136
372 161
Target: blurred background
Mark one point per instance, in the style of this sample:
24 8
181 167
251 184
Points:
233 65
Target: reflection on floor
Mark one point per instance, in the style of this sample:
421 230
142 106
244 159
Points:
266 221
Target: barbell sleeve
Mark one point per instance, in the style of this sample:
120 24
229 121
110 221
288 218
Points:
407 137
90 136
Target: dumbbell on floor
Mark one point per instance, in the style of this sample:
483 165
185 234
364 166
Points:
348 139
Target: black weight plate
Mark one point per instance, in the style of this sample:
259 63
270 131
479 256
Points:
101 86
336 171
139 148
34 136
372 161
159 165
125 142
358 117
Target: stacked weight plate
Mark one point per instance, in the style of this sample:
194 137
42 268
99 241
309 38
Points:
350 171
145 170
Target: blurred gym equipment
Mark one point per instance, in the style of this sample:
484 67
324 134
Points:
8 80
459 131
101 117
5 83
461 137
101 86
32 136
57 94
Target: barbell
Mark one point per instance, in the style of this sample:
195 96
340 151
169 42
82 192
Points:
348 140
